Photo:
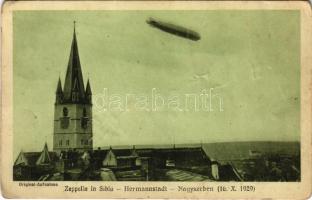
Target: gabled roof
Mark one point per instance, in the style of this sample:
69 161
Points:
27 158
30 158
36 158
44 157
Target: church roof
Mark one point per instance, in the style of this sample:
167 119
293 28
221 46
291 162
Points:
74 91
195 153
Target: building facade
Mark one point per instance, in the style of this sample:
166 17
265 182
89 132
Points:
73 108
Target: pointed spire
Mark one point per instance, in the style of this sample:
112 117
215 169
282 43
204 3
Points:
45 148
74 27
21 159
59 92
88 93
73 87
88 88
44 158
59 87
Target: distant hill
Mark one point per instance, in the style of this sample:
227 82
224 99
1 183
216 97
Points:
237 150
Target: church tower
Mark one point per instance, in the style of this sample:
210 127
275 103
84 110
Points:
73 108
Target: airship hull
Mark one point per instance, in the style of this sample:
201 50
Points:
174 29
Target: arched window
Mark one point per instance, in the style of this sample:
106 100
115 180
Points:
75 96
84 119
65 119
65 112
84 113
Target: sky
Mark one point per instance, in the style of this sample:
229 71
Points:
250 60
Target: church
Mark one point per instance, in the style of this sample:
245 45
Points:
73 108
74 159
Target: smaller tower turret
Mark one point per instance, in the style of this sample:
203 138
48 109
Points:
88 93
59 92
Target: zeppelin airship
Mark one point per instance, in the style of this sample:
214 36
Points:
174 29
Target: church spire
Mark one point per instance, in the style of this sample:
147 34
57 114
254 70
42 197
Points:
76 105
73 87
